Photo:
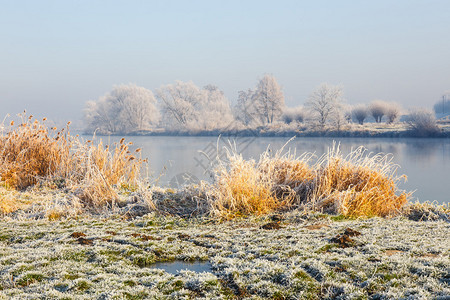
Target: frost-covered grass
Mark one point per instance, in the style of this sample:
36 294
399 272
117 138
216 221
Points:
392 258
359 184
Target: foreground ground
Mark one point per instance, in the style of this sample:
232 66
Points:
291 256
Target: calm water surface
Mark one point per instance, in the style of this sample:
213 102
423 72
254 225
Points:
426 162
174 267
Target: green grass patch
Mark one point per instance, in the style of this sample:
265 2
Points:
342 218
29 279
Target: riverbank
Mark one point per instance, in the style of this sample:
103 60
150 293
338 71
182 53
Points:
296 255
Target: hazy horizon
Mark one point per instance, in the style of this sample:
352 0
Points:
57 55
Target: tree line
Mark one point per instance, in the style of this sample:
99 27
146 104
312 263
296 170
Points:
183 106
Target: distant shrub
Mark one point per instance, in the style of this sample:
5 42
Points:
293 114
422 122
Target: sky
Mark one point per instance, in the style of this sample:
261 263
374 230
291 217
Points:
56 55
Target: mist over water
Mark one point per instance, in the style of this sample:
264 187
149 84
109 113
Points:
425 162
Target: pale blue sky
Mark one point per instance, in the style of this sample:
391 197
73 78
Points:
56 55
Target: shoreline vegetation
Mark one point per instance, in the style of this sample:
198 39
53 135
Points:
77 216
367 131
183 108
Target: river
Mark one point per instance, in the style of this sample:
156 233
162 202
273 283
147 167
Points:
425 162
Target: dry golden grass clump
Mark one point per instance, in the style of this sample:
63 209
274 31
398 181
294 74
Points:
98 172
249 187
357 185
243 189
30 153
8 203
291 177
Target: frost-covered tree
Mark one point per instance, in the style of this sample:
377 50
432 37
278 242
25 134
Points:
245 110
125 109
324 101
378 109
262 105
293 114
180 102
393 111
186 106
215 112
268 99
341 115
360 113
136 106
98 115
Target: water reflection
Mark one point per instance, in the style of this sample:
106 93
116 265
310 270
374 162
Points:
173 267
425 150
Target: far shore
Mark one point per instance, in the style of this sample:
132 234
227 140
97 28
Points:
361 131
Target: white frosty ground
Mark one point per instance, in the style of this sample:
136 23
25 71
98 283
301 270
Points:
392 258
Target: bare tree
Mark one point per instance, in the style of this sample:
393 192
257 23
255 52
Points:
377 109
393 112
268 99
293 114
360 113
324 101
126 108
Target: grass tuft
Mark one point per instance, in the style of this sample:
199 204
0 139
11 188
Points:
242 189
359 184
